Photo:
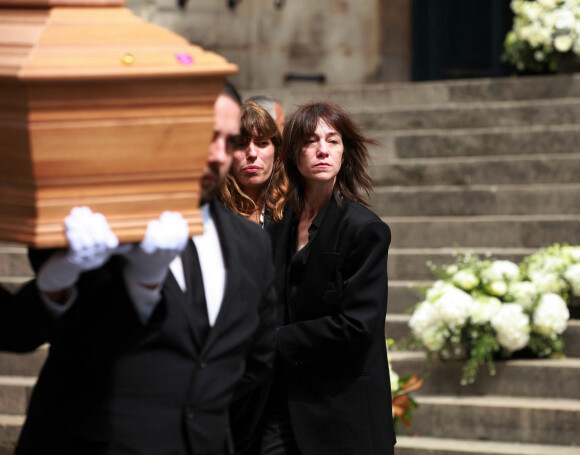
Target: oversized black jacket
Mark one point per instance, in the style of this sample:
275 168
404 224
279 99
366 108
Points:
331 345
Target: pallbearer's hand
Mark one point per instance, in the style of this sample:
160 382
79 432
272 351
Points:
165 238
91 244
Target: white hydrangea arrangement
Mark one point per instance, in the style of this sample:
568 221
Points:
482 309
545 33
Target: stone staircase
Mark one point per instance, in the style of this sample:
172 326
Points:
17 371
486 165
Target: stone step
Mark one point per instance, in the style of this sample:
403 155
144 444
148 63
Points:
28 364
13 283
423 445
539 378
527 420
468 115
10 426
15 269
526 140
404 295
14 261
397 328
477 200
411 264
514 231
15 392
539 170
433 92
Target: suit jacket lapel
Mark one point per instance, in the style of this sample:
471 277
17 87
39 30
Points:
230 257
172 293
323 255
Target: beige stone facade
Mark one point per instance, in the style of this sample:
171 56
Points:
346 41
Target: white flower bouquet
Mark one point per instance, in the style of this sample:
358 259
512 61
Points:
545 34
482 309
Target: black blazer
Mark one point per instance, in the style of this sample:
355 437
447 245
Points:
111 385
332 348
21 330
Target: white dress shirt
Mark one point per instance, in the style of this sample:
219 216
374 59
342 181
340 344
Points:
213 271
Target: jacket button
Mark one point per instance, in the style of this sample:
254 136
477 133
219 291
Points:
189 414
202 365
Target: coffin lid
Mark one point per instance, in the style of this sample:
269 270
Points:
92 39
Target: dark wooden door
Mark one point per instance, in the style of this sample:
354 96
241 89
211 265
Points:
459 38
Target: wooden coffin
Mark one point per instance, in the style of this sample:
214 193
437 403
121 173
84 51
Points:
100 108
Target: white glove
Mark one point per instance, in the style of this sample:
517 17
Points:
165 238
91 244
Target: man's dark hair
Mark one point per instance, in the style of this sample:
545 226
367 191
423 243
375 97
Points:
231 91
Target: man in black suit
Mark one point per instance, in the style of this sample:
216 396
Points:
148 351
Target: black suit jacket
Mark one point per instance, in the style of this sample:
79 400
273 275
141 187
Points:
111 385
21 330
332 347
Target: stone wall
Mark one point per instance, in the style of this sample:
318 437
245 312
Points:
340 39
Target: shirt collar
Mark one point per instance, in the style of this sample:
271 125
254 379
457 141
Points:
205 213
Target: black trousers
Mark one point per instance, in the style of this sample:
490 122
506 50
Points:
277 435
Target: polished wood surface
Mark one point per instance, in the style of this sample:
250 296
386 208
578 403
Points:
99 108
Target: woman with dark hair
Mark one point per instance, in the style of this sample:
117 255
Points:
255 187
331 391
256 183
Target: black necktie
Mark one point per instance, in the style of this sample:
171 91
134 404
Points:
195 291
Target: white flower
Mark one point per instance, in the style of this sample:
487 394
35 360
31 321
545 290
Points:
453 307
465 279
547 3
516 6
572 274
551 315
531 11
452 269
394 379
501 270
497 288
565 20
437 290
548 282
423 317
434 337
512 327
573 251
545 38
524 293
535 35
484 309
563 43
547 263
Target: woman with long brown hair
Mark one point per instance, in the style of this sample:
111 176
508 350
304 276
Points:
331 390
255 188
256 184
